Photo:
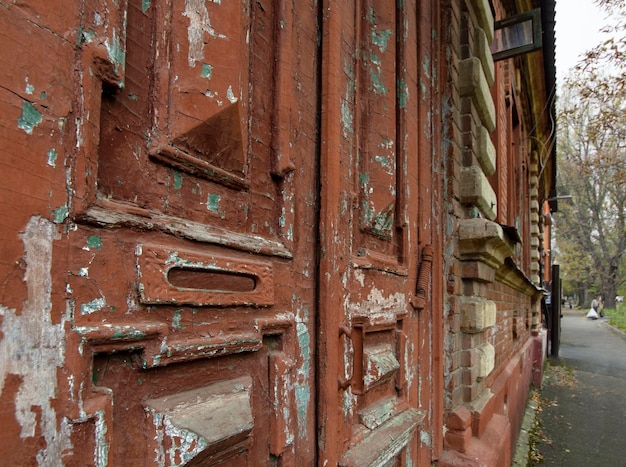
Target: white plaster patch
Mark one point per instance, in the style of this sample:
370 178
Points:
349 403
359 276
409 368
380 307
185 444
199 24
32 347
230 95
29 88
101 454
302 386
95 305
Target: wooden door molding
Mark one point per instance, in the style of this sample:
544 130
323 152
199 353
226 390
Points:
192 120
193 210
369 235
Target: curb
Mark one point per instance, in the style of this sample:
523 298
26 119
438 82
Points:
522 448
619 332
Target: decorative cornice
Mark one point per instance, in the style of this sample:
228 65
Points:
484 241
510 274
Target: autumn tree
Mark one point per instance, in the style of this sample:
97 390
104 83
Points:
592 164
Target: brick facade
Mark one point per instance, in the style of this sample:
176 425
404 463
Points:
493 282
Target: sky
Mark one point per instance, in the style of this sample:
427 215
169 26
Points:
577 29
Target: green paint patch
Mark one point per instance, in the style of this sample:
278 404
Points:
133 334
371 16
384 161
303 396
178 180
374 59
133 97
52 157
207 71
43 95
381 39
213 203
116 55
403 93
145 5
368 212
60 214
176 319
383 222
94 241
364 178
346 117
426 65
377 85
88 36
30 118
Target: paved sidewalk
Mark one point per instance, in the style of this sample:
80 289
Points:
583 399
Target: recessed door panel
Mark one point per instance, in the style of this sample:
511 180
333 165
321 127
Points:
191 285
369 414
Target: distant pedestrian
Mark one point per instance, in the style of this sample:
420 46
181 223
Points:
601 307
593 313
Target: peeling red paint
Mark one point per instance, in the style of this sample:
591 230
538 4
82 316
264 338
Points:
233 233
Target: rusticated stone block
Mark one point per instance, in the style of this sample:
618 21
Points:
473 83
478 314
459 419
482 51
486 153
478 271
475 189
459 440
486 359
482 10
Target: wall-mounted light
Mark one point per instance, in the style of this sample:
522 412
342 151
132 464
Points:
553 201
517 35
554 198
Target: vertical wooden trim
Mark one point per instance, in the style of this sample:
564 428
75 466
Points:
330 304
437 271
432 85
402 133
282 162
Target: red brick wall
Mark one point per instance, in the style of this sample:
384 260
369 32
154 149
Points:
512 327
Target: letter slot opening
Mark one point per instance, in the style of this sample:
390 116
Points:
211 280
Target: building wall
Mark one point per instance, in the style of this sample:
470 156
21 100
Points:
493 340
104 212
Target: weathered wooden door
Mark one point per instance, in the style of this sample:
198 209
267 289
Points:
370 300
192 260
246 255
